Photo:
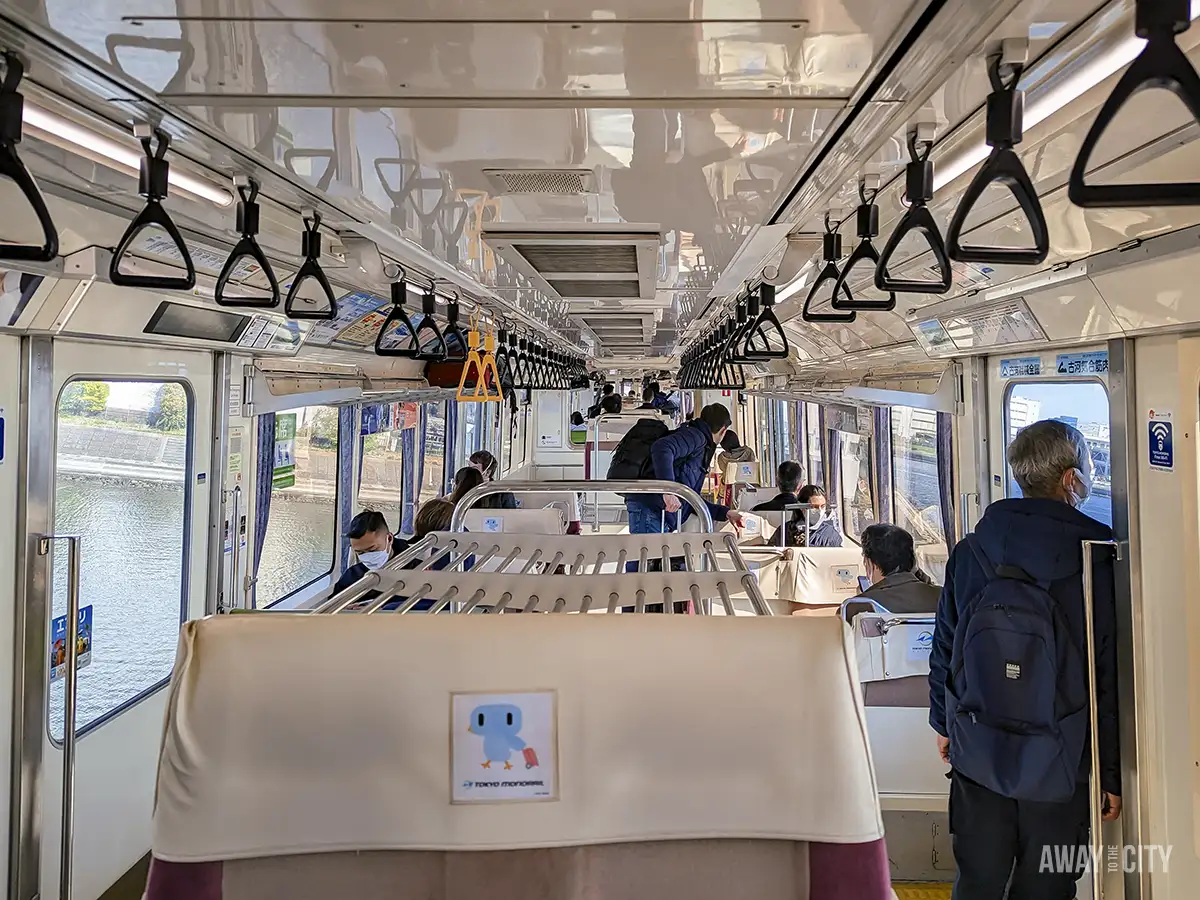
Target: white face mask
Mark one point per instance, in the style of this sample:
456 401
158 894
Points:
1081 488
373 559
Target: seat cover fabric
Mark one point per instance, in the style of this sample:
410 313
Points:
291 734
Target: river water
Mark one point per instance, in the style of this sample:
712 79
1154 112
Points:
132 572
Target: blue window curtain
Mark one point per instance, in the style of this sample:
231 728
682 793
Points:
264 470
411 488
347 432
945 470
423 428
451 417
883 461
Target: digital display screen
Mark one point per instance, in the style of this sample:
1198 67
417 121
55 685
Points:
178 320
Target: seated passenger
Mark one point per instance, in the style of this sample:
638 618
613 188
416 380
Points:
787 479
465 479
890 562
486 463
373 545
733 451
822 528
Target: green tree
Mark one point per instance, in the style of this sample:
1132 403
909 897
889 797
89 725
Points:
85 398
171 405
324 427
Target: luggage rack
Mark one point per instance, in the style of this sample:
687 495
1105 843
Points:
499 573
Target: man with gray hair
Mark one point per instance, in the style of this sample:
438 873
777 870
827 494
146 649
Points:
1008 676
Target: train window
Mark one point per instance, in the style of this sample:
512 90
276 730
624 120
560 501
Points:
301 537
812 428
381 471
916 495
121 483
433 449
1083 404
858 506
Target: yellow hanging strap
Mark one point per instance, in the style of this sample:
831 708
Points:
489 380
473 363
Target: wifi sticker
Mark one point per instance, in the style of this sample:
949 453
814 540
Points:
1162 451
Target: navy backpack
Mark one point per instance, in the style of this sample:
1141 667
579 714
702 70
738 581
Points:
1017 695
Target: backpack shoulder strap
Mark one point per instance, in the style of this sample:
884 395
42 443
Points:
989 571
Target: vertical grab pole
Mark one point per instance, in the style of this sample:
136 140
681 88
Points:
236 582
70 686
1095 809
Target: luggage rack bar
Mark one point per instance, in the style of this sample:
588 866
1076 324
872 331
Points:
557 573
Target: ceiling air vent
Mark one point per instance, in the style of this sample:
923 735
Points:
564 182
597 261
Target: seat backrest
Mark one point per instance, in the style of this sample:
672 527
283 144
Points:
515 521
891 646
567 502
823 576
508 732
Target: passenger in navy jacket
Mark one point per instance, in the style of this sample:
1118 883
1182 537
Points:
683 456
1041 533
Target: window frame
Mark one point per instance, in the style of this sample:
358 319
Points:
337 499
1016 382
185 580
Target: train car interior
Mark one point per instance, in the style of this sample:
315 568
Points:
350 357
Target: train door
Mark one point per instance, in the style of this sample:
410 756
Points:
118 446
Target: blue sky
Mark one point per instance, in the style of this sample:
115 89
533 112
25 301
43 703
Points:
1088 402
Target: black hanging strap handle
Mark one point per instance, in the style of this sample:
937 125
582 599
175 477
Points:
397 317
453 331
868 227
1161 64
918 218
429 323
765 339
310 249
1005 128
153 184
829 275
12 108
247 248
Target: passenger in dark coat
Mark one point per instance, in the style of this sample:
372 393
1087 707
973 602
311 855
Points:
995 837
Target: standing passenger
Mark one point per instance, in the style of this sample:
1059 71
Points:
1008 676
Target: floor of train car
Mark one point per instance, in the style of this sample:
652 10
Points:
922 890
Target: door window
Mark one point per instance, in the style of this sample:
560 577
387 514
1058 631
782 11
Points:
858 506
812 426
433 442
301 537
1082 404
122 485
381 474
916 489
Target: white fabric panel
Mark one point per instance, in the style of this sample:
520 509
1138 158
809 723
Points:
296 734
515 521
892 645
825 575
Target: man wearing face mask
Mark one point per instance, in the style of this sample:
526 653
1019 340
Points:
372 543
1008 675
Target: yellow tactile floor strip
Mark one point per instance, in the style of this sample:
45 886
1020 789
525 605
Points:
921 890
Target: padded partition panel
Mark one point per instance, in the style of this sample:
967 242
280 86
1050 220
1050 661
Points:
825 575
291 734
515 521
